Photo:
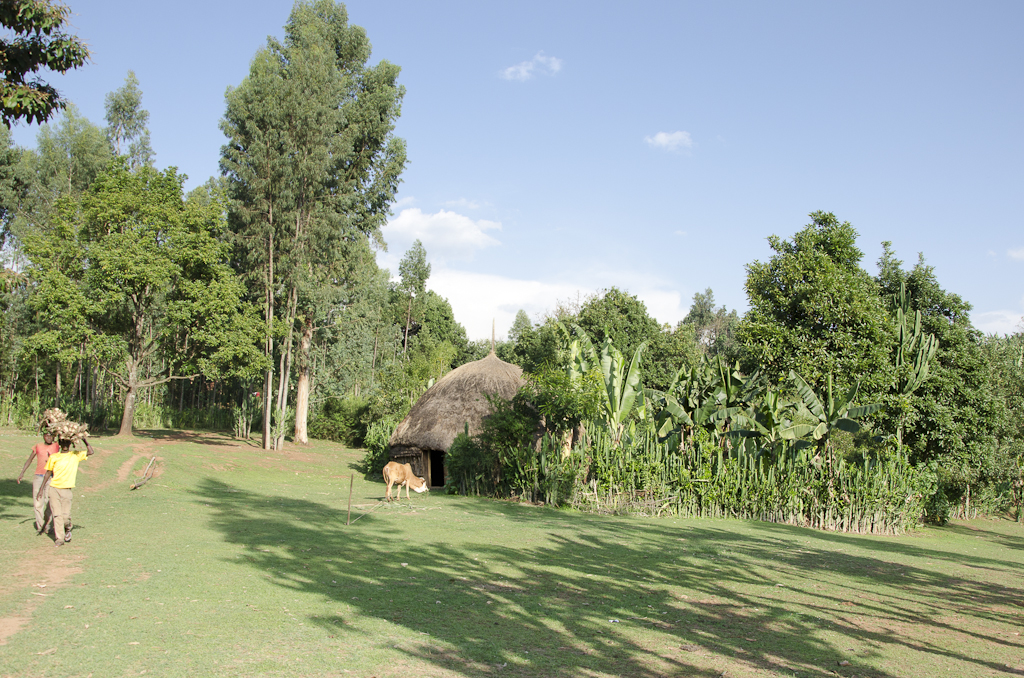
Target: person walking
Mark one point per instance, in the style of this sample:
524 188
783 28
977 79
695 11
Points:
62 467
41 452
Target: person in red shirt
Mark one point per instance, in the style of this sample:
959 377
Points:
41 452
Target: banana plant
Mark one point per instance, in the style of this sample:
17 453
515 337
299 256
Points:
621 386
678 406
834 412
767 420
709 394
580 355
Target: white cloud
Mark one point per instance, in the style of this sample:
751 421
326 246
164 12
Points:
670 141
538 65
463 203
445 235
403 202
1016 254
999 322
479 298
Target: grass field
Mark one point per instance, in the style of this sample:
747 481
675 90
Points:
233 561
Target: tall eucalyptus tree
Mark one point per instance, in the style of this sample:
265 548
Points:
313 166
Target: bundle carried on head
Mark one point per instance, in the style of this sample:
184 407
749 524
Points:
57 423
51 417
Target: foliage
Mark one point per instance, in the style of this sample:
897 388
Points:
39 42
951 417
714 329
832 412
815 311
564 402
621 386
342 420
531 347
377 444
645 475
131 270
312 165
496 460
623 318
126 123
1004 357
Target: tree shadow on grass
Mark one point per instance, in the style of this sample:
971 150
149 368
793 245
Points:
15 499
602 596
907 547
1002 538
196 437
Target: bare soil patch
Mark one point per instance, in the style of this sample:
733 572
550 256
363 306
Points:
38 574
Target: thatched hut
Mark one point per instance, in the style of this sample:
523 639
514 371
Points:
457 399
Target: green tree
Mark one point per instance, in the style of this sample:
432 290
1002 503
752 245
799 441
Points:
11 185
714 328
131 271
623 318
815 311
313 164
414 271
126 123
951 417
39 41
69 156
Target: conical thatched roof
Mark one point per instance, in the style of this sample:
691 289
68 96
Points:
457 399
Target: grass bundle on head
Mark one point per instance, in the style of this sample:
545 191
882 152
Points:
62 428
51 418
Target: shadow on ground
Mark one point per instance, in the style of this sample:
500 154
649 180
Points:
548 609
15 499
197 437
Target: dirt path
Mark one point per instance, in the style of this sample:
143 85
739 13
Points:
38 574
42 570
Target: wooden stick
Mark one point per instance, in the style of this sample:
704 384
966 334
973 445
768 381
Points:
145 476
351 479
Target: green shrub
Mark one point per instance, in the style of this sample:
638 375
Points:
376 441
342 420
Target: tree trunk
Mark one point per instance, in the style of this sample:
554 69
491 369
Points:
286 366
373 363
408 319
130 400
268 381
56 398
303 385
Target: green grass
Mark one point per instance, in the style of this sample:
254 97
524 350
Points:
237 562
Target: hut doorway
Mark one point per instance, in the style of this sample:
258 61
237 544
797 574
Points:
436 463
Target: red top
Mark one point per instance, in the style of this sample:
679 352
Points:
43 452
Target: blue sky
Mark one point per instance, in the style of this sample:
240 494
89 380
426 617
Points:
559 148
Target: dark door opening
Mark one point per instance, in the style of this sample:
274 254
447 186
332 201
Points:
436 468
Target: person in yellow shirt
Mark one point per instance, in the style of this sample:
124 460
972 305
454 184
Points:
62 471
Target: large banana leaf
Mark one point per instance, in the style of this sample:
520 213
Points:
796 431
863 410
807 395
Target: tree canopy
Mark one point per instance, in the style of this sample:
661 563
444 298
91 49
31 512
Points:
39 42
814 310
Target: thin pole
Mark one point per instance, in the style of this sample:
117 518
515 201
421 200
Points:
351 479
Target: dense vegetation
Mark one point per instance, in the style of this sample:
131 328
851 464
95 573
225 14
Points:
843 398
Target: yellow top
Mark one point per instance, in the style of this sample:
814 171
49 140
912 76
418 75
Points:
64 466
